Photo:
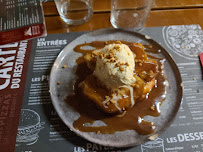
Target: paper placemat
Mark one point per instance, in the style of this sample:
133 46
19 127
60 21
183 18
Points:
40 129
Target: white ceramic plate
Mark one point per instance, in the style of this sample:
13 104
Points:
67 77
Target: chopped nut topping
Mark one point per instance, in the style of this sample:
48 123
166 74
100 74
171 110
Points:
152 108
127 64
139 61
147 37
143 72
122 63
143 76
98 132
117 48
64 66
119 42
151 72
108 103
112 52
109 56
139 44
58 82
95 53
101 55
92 55
115 58
122 69
150 46
118 64
132 85
123 108
112 60
112 101
111 95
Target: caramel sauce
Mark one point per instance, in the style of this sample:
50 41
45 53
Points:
133 118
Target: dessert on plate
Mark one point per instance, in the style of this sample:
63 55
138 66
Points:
120 77
118 84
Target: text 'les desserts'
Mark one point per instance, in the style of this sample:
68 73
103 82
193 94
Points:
117 85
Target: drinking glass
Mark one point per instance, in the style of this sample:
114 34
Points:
130 13
75 12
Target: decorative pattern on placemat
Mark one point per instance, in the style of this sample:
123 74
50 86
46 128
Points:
154 145
29 127
185 40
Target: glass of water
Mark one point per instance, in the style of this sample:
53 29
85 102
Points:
75 12
130 13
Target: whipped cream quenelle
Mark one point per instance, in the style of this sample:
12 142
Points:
115 65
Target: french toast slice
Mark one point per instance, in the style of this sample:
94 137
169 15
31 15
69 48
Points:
115 101
102 97
118 100
91 59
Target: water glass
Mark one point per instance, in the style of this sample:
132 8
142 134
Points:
75 12
130 13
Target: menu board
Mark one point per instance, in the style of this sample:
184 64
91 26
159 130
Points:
21 20
40 128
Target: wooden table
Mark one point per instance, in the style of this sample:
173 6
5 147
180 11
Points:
163 13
